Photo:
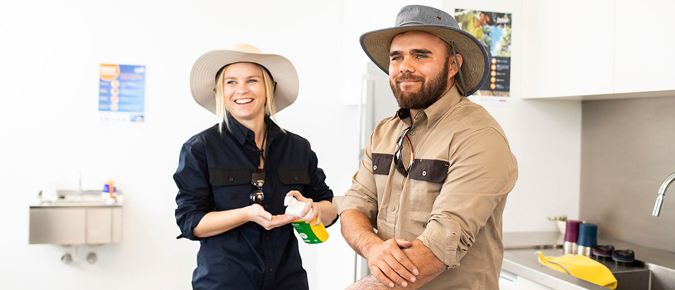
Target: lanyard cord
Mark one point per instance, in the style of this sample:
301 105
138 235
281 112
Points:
260 151
412 152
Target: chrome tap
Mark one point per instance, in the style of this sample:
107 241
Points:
79 185
662 193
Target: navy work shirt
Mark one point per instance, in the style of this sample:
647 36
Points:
214 174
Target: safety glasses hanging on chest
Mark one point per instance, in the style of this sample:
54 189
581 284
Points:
257 179
398 160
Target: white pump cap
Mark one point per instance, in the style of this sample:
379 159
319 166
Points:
294 207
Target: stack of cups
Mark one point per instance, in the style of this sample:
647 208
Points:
588 238
571 237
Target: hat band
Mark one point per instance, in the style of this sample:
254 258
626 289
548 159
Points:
412 22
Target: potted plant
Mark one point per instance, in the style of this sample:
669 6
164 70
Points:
561 222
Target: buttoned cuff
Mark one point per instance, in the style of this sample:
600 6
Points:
189 225
442 237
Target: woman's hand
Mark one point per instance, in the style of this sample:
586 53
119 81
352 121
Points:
259 215
315 212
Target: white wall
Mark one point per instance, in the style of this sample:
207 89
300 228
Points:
49 57
545 135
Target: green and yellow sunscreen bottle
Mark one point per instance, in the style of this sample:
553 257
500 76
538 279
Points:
309 233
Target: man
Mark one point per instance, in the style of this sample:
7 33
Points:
434 177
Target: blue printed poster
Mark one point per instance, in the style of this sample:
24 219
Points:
121 97
493 30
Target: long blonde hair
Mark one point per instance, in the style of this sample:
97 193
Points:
221 109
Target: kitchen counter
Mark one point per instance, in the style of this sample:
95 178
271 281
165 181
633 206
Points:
520 258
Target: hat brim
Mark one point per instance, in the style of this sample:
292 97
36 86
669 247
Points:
475 67
203 76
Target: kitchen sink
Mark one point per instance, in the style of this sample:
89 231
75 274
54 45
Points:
645 276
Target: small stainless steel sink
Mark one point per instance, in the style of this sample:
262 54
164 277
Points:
76 218
645 276
75 198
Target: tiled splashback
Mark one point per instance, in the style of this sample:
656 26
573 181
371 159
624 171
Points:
627 150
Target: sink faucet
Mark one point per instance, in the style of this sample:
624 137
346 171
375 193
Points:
662 193
79 185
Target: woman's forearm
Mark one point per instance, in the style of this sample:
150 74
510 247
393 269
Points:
218 222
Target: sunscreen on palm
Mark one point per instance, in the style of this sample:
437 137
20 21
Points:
309 233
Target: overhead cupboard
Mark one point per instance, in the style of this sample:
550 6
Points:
601 49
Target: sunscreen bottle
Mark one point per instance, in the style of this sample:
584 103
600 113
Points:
309 233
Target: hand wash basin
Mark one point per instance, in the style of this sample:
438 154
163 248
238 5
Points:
646 276
76 217
76 198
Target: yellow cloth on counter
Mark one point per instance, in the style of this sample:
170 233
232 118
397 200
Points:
581 267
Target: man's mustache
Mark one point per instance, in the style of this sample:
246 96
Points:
408 77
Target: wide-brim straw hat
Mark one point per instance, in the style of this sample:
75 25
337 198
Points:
203 75
475 66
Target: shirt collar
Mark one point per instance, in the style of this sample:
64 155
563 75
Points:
241 133
436 110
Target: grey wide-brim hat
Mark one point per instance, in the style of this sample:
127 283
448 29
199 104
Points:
203 75
475 66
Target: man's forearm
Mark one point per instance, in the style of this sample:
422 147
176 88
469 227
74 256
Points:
357 231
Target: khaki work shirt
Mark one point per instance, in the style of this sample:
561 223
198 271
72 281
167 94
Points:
455 192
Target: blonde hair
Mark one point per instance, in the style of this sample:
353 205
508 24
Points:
221 109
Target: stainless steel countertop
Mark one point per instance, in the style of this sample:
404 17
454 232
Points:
74 204
520 258
71 198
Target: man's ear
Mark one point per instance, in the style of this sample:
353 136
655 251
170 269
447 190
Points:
451 63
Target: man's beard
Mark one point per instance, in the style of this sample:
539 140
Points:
425 96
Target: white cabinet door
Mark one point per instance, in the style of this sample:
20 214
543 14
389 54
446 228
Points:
568 47
644 46
525 284
507 280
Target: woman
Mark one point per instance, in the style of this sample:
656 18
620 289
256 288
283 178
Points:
233 177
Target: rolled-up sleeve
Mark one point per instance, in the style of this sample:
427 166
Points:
482 172
362 196
194 198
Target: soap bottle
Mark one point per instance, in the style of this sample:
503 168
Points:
309 233
109 190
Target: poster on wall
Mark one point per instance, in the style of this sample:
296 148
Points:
121 97
493 30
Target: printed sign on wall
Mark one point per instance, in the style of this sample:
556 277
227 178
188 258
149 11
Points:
493 30
121 97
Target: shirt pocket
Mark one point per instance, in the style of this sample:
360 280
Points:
291 176
429 170
382 163
229 176
231 187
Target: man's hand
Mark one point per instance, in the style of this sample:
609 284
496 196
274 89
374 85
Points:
386 260
429 268
389 264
